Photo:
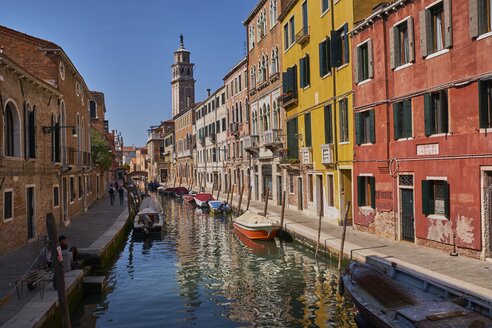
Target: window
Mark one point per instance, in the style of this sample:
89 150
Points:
289 33
289 82
339 46
307 130
291 184
436 112
324 57
223 124
8 204
30 132
93 109
344 133
364 132
240 85
485 103
273 12
480 17
402 119
12 131
329 190
304 71
286 36
305 21
310 188
363 69
402 43
324 6
328 125
366 191
251 36
56 196
292 144
435 197
72 189
436 28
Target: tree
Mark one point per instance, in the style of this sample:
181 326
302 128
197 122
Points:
101 151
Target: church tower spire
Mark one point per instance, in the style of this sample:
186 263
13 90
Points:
183 83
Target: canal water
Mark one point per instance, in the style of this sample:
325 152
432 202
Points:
201 273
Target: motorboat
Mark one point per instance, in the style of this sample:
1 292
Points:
392 297
202 199
148 220
257 227
167 191
219 206
180 192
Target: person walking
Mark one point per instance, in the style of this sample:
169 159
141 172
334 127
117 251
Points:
121 193
111 194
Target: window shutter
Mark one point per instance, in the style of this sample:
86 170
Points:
407 118
294 79
473 17
307 70
372 130
444 105
447 206
327 55
303 72
336 49
356 58
482 19
424 22
370 61
372 182
358 129
482 105
411 41
322 61
346 42
426 186
448 24
360 192
396 116
285 76
307 129
392 47
328 127
428 117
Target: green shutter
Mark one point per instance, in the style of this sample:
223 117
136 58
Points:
322 60
327 55
372 183
428 117
482 105
443 97
303 72
346 42
426 190
407 118
372 130
328 125
336 49
307 129
396 117
294 79
360 192
358 128
285 76
446 199
307 69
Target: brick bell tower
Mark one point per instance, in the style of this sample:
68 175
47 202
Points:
183 83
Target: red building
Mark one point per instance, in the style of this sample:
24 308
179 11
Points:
423 94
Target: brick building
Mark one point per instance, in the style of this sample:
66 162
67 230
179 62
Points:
423 166
184 143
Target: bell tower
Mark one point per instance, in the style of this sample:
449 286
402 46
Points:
183 83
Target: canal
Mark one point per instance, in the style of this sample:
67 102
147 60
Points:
201 273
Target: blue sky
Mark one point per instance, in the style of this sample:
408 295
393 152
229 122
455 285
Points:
125 48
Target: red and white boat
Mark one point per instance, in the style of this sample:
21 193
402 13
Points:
202 199
256 227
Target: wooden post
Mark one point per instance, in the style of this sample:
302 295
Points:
282 212
59 278
228 193
174 184
319 232
267 193
341 287
218 190
232 195
249 197
240 200
180 181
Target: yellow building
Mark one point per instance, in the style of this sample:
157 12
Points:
317 98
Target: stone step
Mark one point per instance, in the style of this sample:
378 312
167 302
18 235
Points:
95 284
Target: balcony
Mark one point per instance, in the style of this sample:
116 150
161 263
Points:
290 164
274 77
84 159
212 138
289 99
202 141
251 144
307 156
327 154
155 136
272 139
185 153
302 37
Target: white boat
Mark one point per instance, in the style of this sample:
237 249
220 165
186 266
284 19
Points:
150 218
202 199
256 227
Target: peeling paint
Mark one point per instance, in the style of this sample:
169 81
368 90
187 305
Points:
439 230
465 230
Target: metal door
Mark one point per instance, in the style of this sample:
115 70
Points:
30 212
407 217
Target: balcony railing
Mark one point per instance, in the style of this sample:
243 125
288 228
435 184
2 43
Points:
289 98
273 136
154 136
302 36
251 144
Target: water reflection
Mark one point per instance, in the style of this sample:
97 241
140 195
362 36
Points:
202 273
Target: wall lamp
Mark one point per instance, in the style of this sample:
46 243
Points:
49 129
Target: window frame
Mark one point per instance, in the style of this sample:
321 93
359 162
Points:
324 10
436 117
428 198
344 133
402 113
485 104
12 208
57 198
330 190
366 191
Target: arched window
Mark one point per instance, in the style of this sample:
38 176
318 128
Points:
12 131
30 131
273 12
246 103
266 68
93 109
268 117
275 115
251 36
277 63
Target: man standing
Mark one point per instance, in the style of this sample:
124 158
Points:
111 194
121 193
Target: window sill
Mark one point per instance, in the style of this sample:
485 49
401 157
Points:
366 208
290 46
58 206
364 82
484 36
306 87
8 220
404 139
366 144
325 12
339 68
399 68
14 158
437 54
487 130
344 143
437 217
440 135
326 75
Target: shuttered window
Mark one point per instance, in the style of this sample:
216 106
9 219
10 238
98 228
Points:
8 205
485 103
56 196
435 198
304 71
402 43
436 112
366 191
307 129
402 119
363 69
343 120
480 12
339 46
324 5
364 131
289 80
292 144
436 32
328 125
324 57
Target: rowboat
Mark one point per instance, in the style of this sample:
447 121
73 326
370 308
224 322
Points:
219 206
395 298
256 227
202 199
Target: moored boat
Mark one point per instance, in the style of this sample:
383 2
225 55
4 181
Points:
180 192
256 227
394 298
148 220
168 191
202 199
219 206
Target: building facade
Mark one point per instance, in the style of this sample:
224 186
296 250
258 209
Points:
185 143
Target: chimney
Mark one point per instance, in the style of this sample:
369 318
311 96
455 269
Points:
208 92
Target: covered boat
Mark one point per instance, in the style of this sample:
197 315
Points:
256 227
148 220
219 206
166 191
202 199
180 192
394 298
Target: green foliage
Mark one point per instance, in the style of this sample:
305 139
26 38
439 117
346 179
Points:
101 151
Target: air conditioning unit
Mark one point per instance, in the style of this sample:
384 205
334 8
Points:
306 156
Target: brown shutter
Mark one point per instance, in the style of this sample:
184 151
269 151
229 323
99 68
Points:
473 16
392 47
423 23
411 41
355 61
448 24
370 63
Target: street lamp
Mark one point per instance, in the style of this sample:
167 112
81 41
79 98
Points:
50 129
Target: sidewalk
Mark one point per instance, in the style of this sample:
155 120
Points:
462 273
83 230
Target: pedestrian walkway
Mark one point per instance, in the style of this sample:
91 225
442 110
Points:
463 273
83 230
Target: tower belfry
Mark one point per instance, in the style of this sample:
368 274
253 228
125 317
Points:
183 83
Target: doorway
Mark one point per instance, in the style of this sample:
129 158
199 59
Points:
319 194
345 194
279 190
407 216
299 194
30 217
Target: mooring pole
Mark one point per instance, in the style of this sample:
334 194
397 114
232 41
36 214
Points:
282 212
232 195
218 190
267 193
240 199
174 184
319 232
249 196
59 278
341 287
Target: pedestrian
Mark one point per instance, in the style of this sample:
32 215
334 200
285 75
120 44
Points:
111 194
121 193
69 254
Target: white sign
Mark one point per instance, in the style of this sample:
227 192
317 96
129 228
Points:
429 149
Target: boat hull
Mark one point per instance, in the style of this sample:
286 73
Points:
266 232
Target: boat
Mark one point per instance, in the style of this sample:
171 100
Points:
180 192
202 199
219 206
256 227
167 191
148 220
395 298
189 198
